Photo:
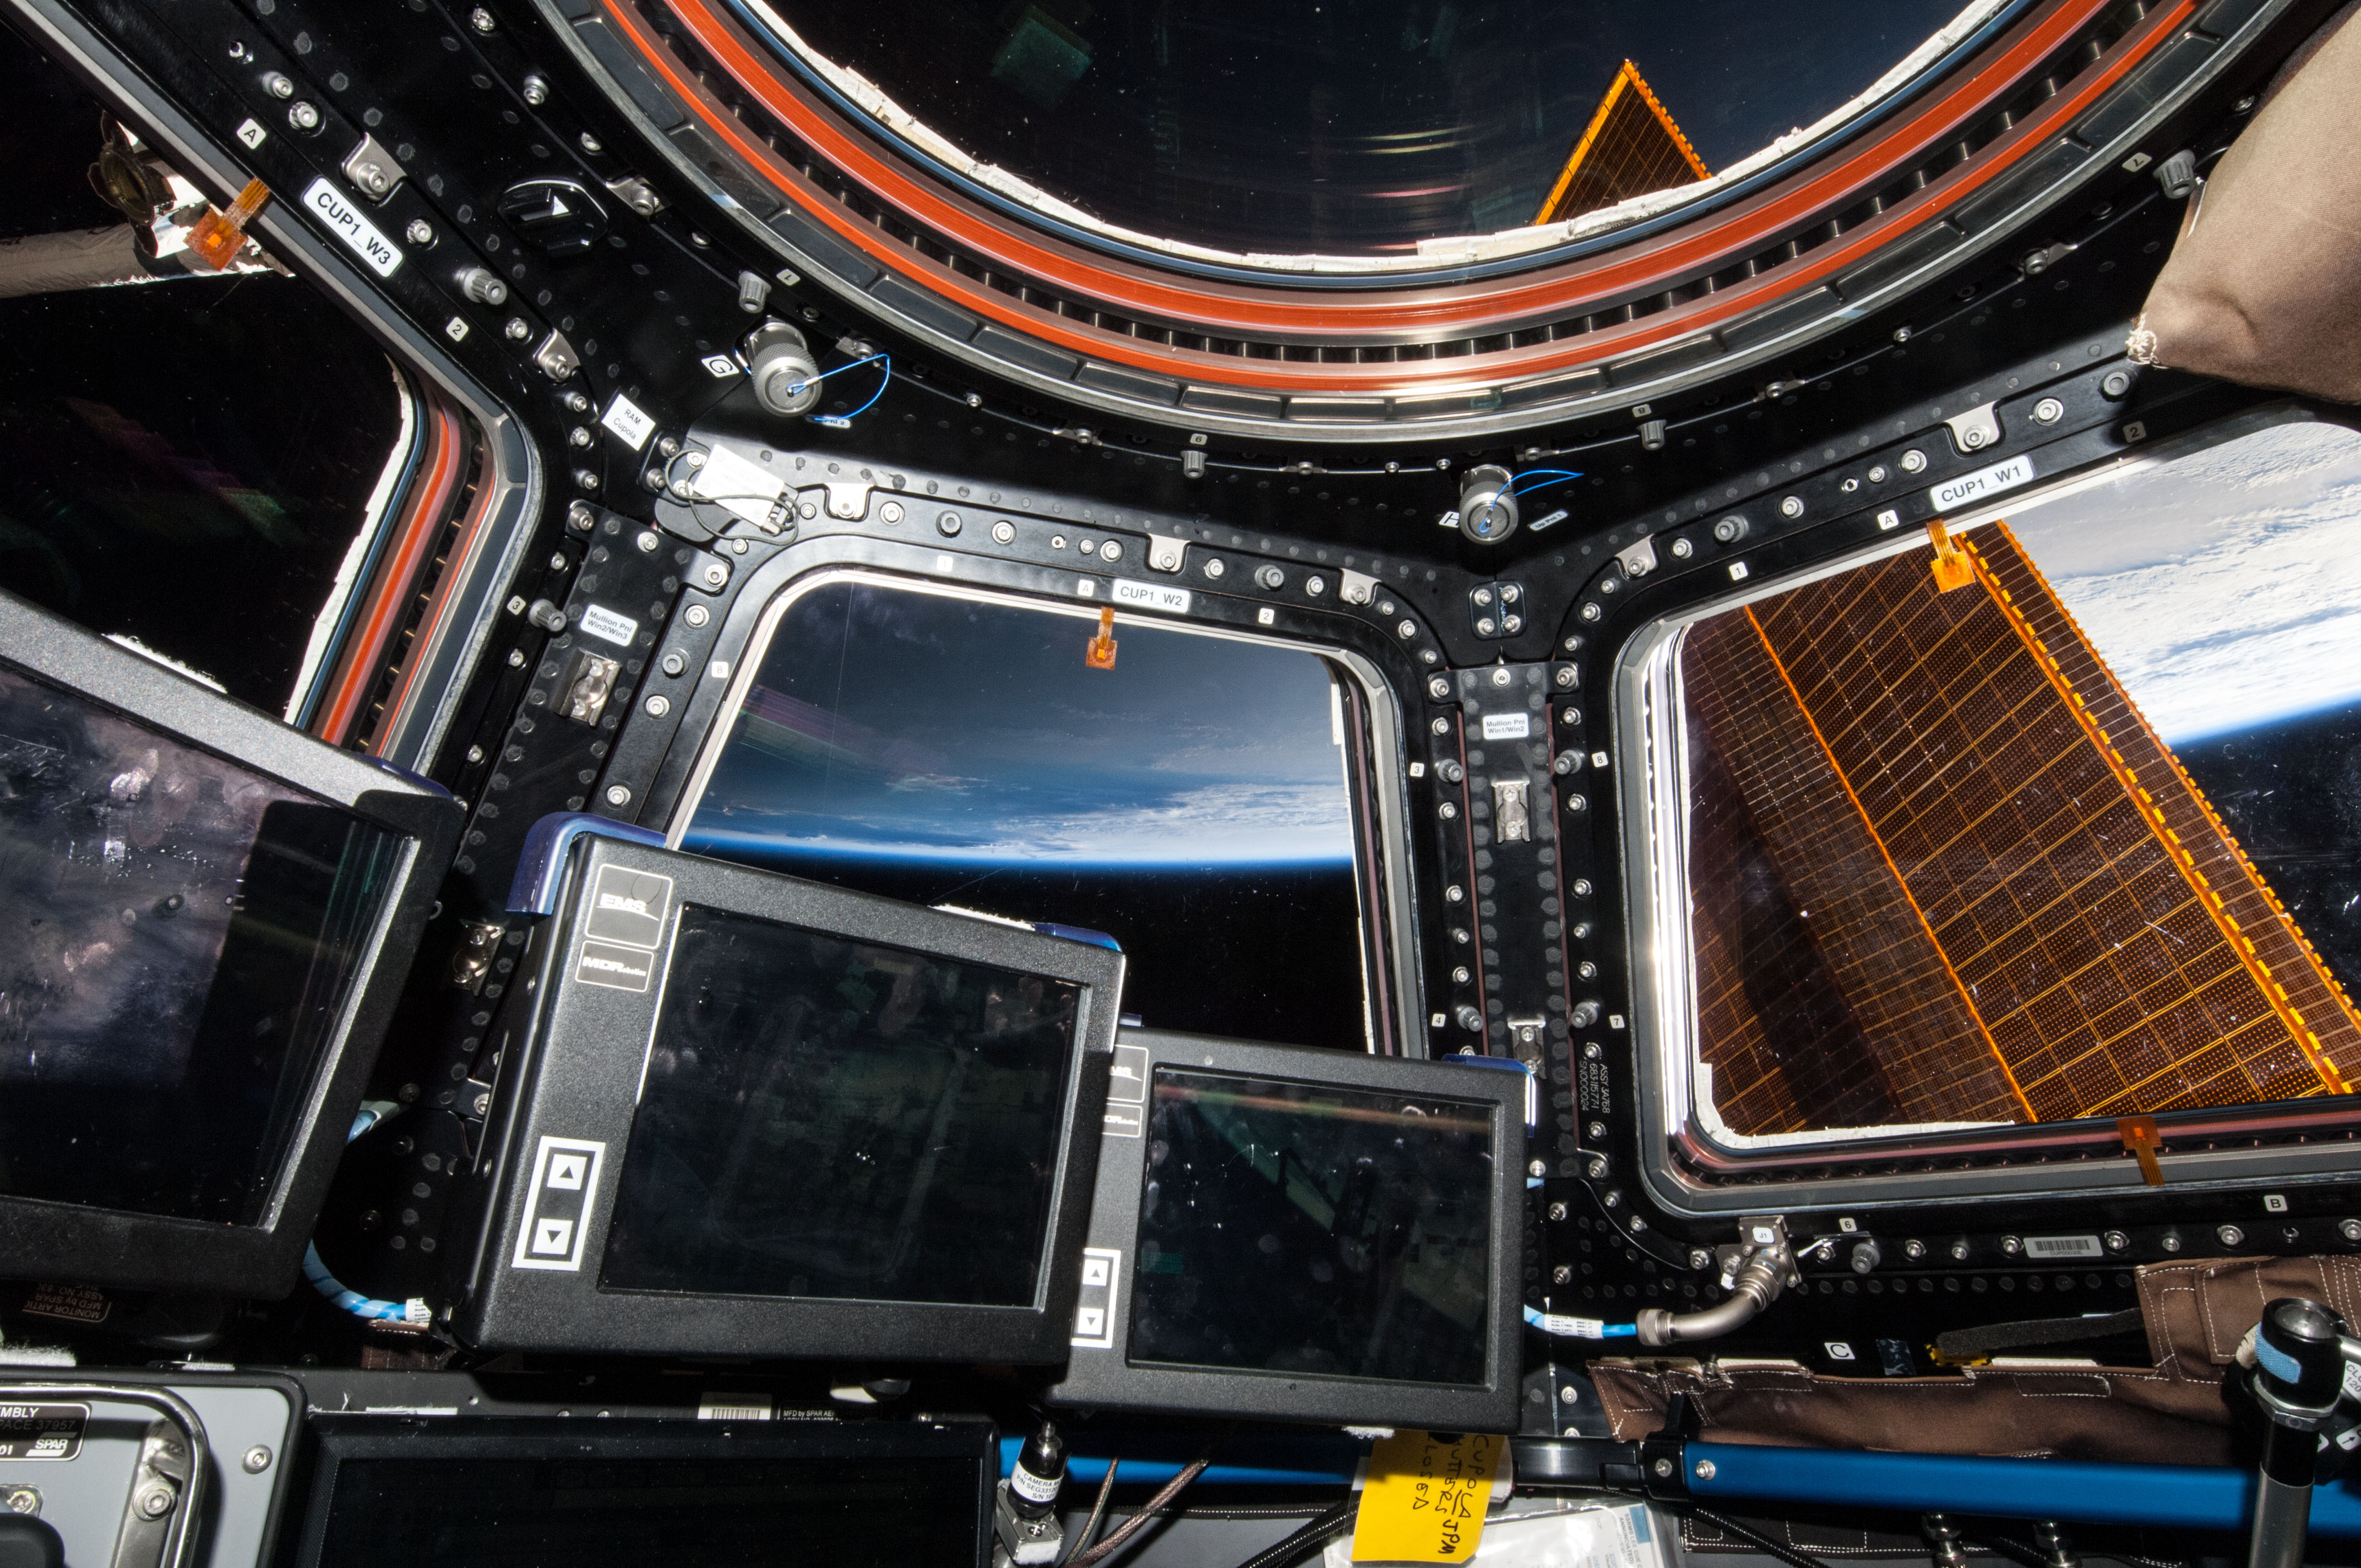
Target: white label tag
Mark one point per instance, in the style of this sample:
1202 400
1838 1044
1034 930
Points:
360 235
1151 596
630 422
251 135
604 623
739 485
1508 726
2063 1247
2352 1391
1953 494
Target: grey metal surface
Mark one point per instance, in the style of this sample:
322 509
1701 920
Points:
82 1498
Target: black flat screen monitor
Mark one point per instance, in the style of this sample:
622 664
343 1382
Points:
483 1490
204 916
757 1116
1296 1236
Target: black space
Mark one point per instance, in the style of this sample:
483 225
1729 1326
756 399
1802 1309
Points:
2291 794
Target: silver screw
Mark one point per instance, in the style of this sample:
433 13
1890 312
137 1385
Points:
420 232
1914 461
2230 1235
21 1500
1557 1210
481 21
579 437
154 1502
2048 411
2116 1241
1570 1396
275 83
1699 1257
303 117
647 543
1664 1469
890 513
1564 677
1537 1168
1004 531
618 795
536 90
518 329
697 615
255 1460
716 575
1792 506
1704 1471
2349 1229
658 706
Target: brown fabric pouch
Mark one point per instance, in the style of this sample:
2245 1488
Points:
2171 1413
2263 284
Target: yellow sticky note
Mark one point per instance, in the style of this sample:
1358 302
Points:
1425 1498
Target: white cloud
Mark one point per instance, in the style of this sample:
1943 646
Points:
2223 589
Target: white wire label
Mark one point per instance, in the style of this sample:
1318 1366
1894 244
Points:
361 237
1151 596
1572 1328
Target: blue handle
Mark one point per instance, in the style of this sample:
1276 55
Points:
2182 1497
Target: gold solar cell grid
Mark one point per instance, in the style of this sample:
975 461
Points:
2061 924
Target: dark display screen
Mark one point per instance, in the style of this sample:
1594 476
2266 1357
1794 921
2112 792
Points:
178 938
484 1512
837 1119
1285 1227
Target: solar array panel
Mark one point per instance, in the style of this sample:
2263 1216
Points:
1942 871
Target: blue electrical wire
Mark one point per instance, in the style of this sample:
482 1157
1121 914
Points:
1577 1328
327 1284
843 422
1547 475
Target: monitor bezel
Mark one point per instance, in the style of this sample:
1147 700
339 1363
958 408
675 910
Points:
573 1069
1102 1375
334 1439
46 1239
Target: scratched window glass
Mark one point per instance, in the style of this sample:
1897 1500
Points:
2058 822
1191 801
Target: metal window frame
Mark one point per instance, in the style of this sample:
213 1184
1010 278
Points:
1391 880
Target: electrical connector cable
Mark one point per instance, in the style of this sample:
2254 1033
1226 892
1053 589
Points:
1082 1540
844 421
1547 476
1122 1535
414 1312
1558 1326
1317 1531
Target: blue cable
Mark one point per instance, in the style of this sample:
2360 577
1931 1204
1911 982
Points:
1547 475
327 1284
843 422
1577 1328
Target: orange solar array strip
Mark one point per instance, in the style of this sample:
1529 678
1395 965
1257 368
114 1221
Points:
2274 993
1900 881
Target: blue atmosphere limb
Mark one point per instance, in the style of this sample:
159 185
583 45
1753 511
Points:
1562 1328
2168 1497
841 421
